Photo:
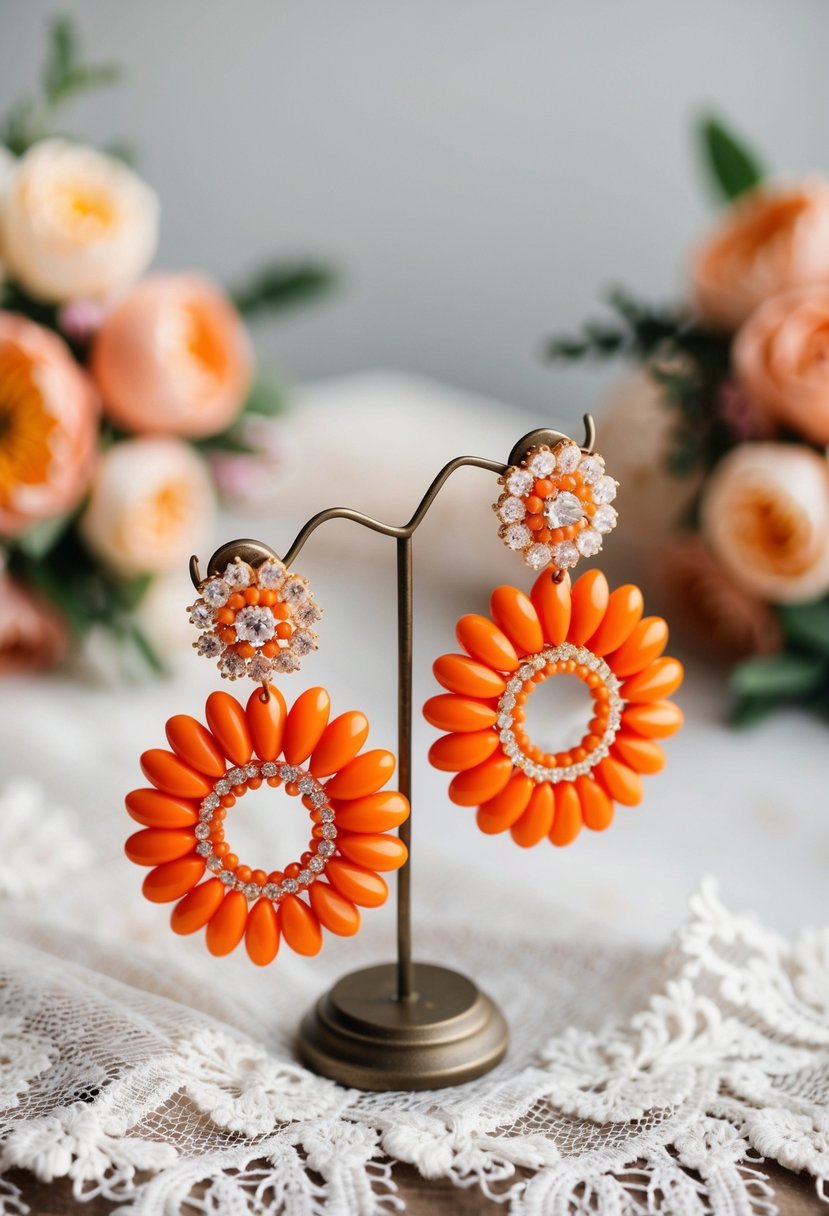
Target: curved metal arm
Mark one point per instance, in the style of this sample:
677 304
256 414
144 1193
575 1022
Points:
257 551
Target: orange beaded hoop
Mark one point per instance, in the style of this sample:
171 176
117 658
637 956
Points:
582 630
240 749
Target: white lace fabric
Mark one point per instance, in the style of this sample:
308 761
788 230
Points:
666 1082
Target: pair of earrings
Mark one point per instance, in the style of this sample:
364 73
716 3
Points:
256 618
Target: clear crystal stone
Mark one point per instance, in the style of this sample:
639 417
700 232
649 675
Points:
518 536
538 556
255 624
511 510
269 769
290 886
507 701
542 463
210 645
588 542
565 555
318 797
200 614
604 519
232 665
519 482
202 831
251 890
326 848
227 877
307 785
252 770
514 685
285 662
568 456
591 469
271 890
211 801
204 848
304 877
259 667
271 575
222 786
329 831
307 613
237 776
524 672
563 510
294 590
214 862
327 815
506 736
303 642
289 772
604 491
238 574
505 719
216 592
316 865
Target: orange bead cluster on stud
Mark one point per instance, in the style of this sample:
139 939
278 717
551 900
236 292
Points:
583 629
198 781
555 507
255 620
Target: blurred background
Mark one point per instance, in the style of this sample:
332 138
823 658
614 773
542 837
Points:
479 172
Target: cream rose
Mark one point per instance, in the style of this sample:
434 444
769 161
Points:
771 240
151 506
765 516
74 222
781 358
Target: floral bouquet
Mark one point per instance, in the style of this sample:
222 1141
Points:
126 399
742 370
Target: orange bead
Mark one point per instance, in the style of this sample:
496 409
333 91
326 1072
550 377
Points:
166 772
307 719
245 650
534 522
236 601
222 848
299 926
276 876
157 810
646 643
173 879
262 933
194 744
195 910
485 642
501 812
251 595
463 675
228 724
567 818
624 610
244 873
355 882
225 616
534 504
336 913
481 783
642 755
231 861
621 783
514 612
596 807
451 712
292 870
374 851
544 536
655 682
537 819
375 813
456 753
284 629
270 649
266 722
544 487
267 598
653 719
552 602
226 927
365 775
339 743
228 635
154 846
281 611
591 596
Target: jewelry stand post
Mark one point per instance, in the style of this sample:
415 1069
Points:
402 1025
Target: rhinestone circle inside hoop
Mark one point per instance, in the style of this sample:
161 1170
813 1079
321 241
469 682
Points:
237 781
603 685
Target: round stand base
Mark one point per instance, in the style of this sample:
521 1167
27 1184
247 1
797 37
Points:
361 1035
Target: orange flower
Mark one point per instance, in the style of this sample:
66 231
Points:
241 748
582 630
48 425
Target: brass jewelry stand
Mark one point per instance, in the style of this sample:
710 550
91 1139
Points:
402 1025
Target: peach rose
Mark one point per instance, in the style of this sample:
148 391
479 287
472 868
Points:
48 425
771 240
173 358
765 515
33 634
781 357
74 222
151 506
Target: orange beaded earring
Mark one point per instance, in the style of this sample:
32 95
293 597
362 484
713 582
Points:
554 509
269 613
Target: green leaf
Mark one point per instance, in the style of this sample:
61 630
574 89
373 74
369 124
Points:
747 711
283 285
807 625
226 441
266 397
39 540
733 168
780 675
146 650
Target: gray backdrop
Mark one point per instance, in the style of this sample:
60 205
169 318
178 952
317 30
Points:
479 169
